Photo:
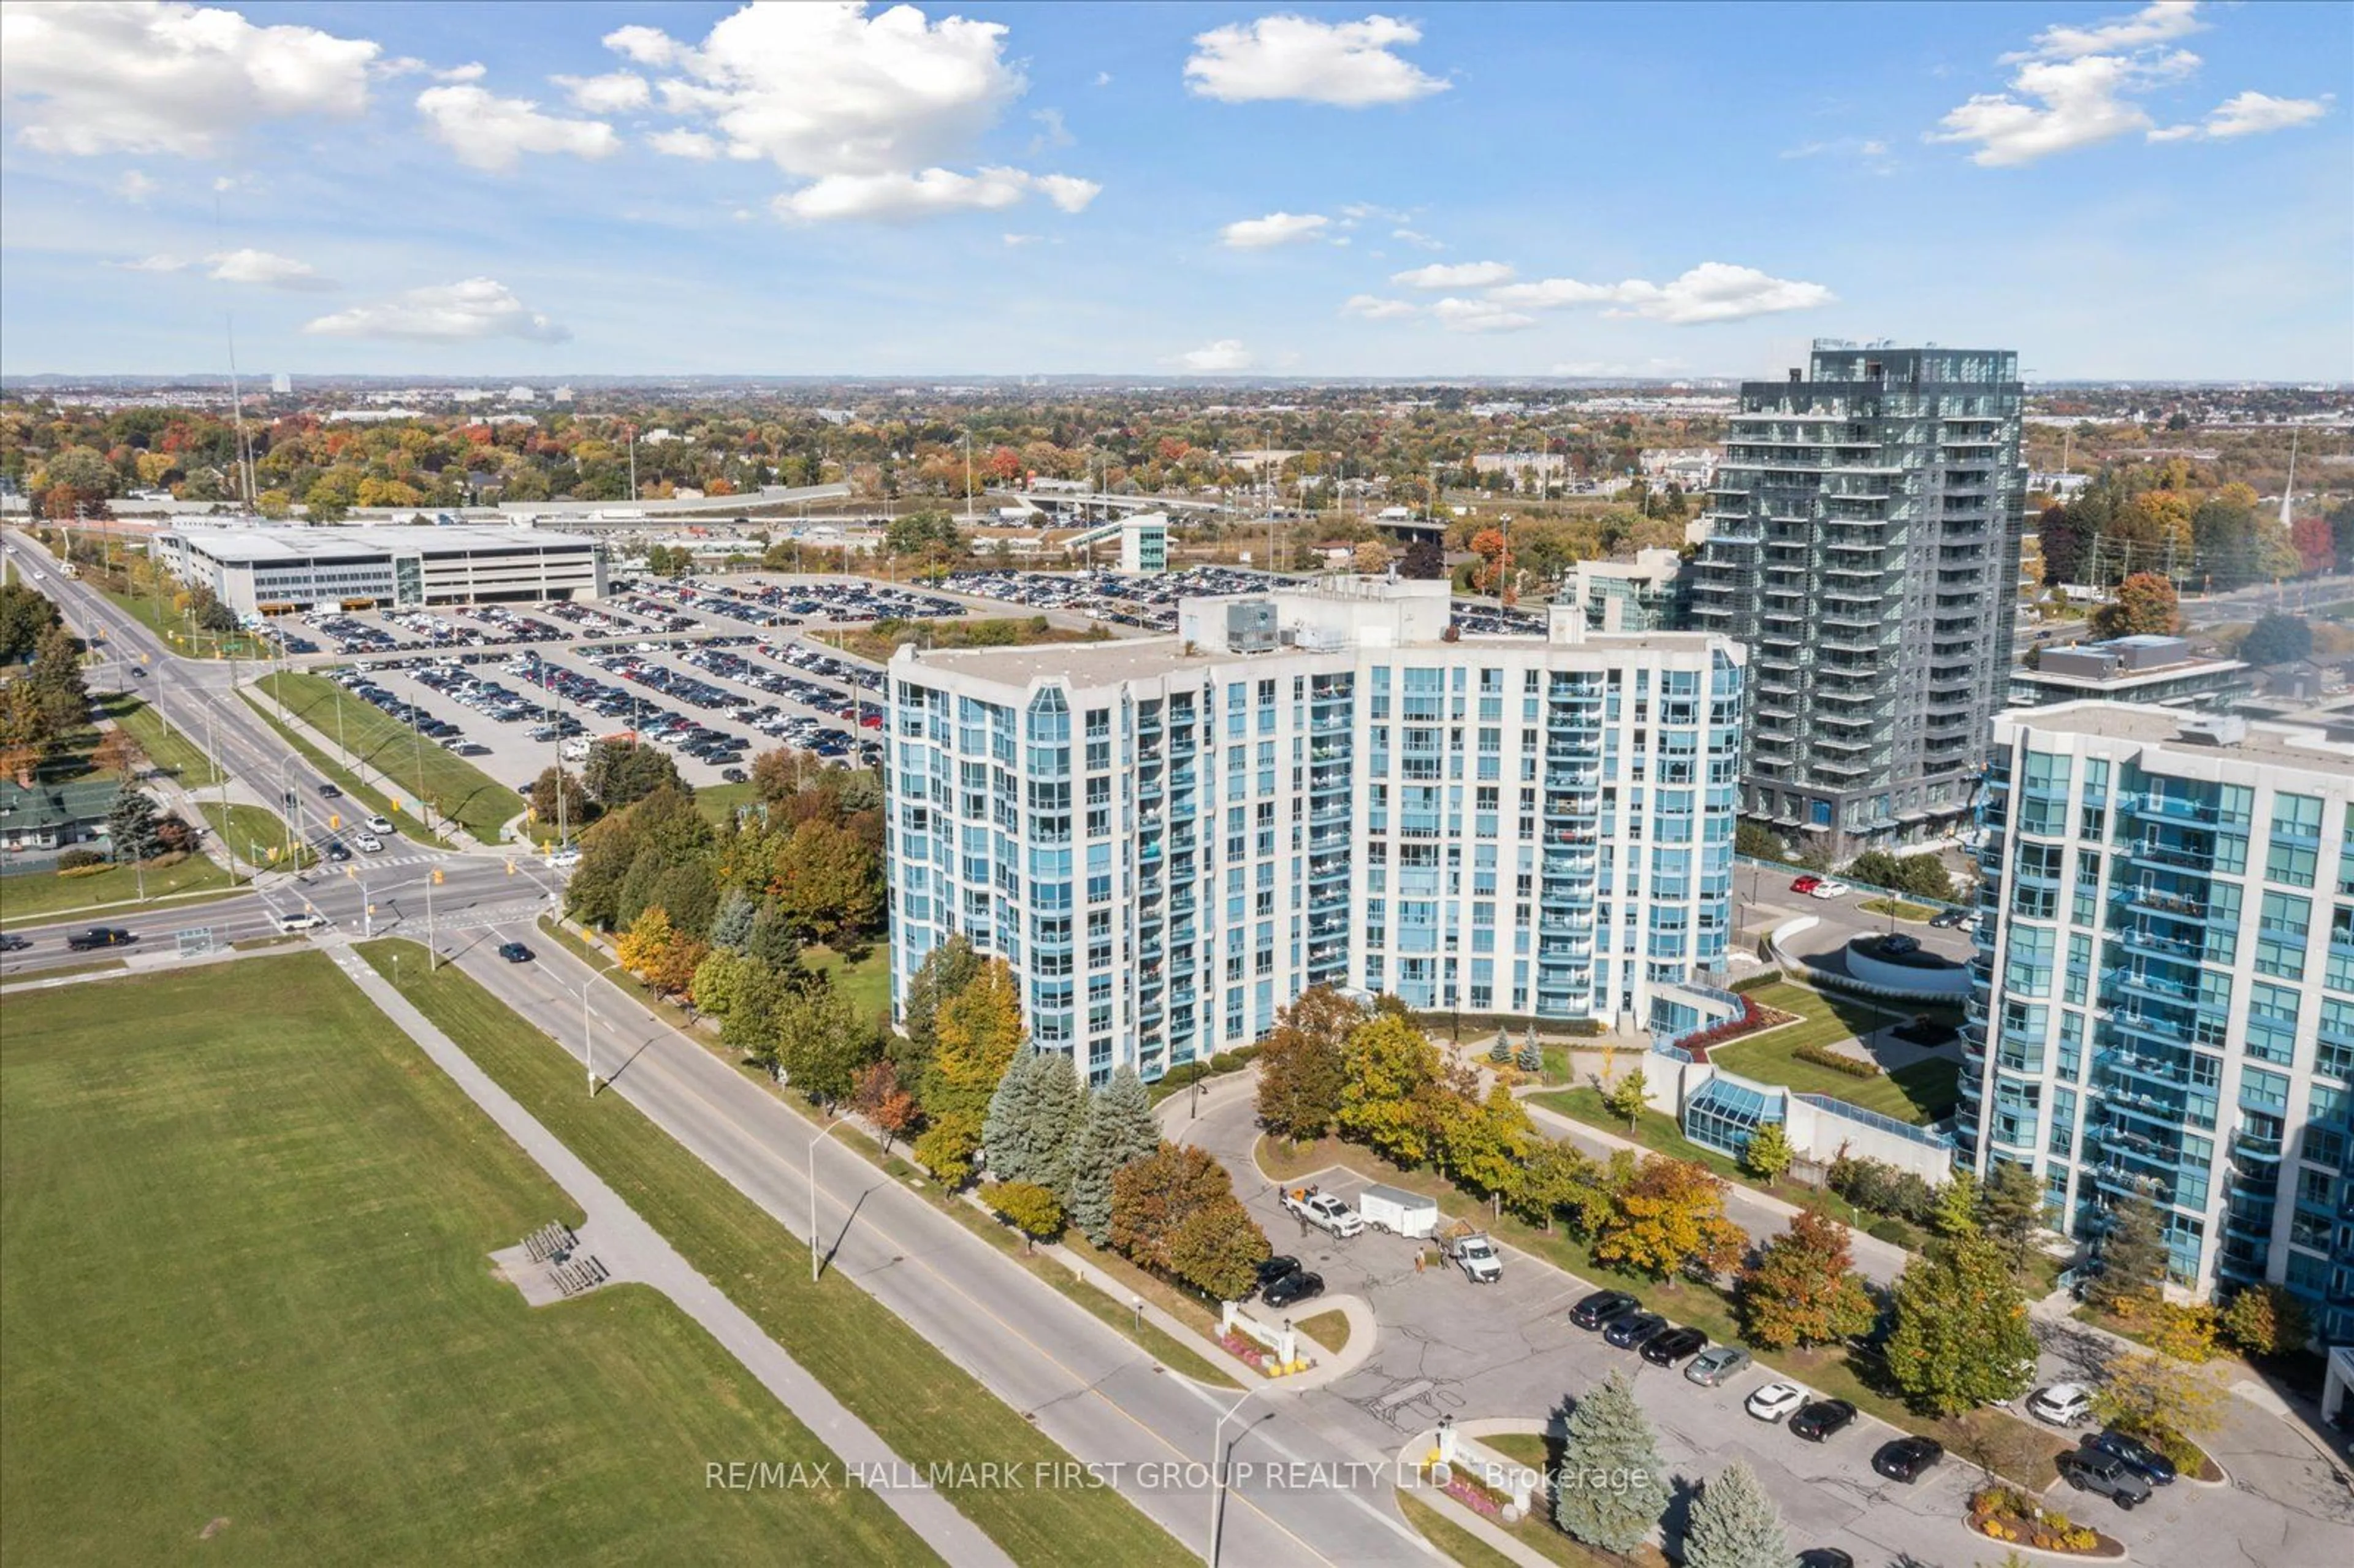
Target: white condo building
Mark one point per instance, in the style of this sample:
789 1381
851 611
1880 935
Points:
2165 989
1169 838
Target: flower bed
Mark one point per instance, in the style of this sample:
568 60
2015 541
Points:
1249 1351
1473 1495
2007 1514
1753 1018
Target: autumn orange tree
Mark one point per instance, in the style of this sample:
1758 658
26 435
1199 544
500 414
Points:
2145 605
1669 1218
1392 1070
1803 1289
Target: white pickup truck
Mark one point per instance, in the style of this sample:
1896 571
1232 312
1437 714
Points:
1477 1256
1323 1211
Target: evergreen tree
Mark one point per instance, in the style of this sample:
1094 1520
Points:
2133 1257
1608 1492
1735 1524
1056 1103
1959 1202
1530 1059
1005 1129
2011 1209
1961 1338
731 923
1116 1126
133 827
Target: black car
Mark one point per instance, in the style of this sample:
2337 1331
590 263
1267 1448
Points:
1825 1557
329 792
334 849
1908 1458
1947 920
1275 1269
1629 1329
1822 1418
732 776
1601 1306
13 943
1666 1350
1297 1286
99 936
515 952
2155 1468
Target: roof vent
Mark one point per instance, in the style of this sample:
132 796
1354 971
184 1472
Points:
2213 729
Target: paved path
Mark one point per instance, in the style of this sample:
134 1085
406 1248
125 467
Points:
634 1249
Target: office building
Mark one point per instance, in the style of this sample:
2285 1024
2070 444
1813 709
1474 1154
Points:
1650 593
1169 838
267 570
2154 672
1862 541
2163 995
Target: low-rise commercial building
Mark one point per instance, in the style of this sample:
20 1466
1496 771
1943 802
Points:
2157 671
264 569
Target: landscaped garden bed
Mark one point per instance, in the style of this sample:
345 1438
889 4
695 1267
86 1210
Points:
2006 1514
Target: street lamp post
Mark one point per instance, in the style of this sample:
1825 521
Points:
1218 1473
816 1253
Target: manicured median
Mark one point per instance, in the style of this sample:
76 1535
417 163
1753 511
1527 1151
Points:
248 1313
925 1407
419 769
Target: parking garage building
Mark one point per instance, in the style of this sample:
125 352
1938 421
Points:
267 570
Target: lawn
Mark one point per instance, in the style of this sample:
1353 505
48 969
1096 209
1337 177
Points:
416 768
255 832
921 1403
246 1301
867 982
1921 1093
32 896
717 802
880 641
1330 1329
365 798
1901 908
1454 1543
179 634
171 750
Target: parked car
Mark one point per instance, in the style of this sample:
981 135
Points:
1829 888
2096 1470
515 952
2062 1404
1322 1210
1805 884
1275 1269
1715 1364
1776 1400
1825 1557
734 776
1823 1418
1908 1460
1666 1350
1629 1329
1945 920
1476 1256
1601 1306
99 936
2155 1468
1297 1286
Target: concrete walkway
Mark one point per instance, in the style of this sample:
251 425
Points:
634 1249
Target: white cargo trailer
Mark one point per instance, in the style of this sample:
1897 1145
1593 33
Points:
1401 1213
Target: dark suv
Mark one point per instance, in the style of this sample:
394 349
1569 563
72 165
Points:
1629 1329
1601 1306
2093 1470
2153 1467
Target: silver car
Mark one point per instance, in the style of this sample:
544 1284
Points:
1716 1363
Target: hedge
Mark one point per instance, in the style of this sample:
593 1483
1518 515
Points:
76 859
1757 982
1824 1056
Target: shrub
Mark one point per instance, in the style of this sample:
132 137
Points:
82 871
75 859
1588 1027
1757 982
1895 1231
1224 1061
1824 1056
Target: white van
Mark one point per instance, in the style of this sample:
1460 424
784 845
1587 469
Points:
289 924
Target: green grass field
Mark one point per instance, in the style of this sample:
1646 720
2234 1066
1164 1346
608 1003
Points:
253 832
1901 908
368 798
246 1295
867 982
717 802
917 1400
170 750
1921 1093
43 896
176 631
418 768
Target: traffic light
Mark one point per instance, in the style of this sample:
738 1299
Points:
438 878
273 853
334 819
352 873
509 868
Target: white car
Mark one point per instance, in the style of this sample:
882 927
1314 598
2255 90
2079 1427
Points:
1776 1400
564 857
380 824
1826 888
2062 1404
369 842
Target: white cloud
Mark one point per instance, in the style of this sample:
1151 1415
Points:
143 76
476 308
265 270
2254 113
1103 78
894 197
472 70
647 45
2160 22
1455 275
1374 308
1275 228
136 187
153 264
1051 131
1712 292
1423 240
1223 357
488 131
683 144
1479 315
1015 241
1284 57
2078 87
615 92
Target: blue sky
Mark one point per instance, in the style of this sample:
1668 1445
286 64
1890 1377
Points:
2162 191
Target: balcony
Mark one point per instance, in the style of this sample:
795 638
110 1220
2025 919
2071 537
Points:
2170 808
2176 857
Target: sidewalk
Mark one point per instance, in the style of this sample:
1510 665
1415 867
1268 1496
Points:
638 1252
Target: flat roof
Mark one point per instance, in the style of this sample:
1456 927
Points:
260 545
2294 745
2122 679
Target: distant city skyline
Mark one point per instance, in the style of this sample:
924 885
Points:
2151 194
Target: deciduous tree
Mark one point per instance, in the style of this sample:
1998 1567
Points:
1390 1064
2145 605
979 1029
2266 1321
1768 1153
1217 1249
1152 1198
878 1097
1960 1337
1803 1290
2160 1400
1301 1069
1627 1098
1669 1219
1029 1208
821 1044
